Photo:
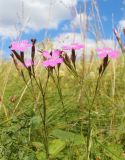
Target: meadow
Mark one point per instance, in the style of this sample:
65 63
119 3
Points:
61 106
72 132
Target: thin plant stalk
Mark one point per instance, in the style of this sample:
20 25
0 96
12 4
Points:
89 135
43 113
24 90
60 94
6 81
58 86
113 94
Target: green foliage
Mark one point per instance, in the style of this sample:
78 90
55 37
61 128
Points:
56 146
74 139
21 132
115 151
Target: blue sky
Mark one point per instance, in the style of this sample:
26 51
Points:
62 17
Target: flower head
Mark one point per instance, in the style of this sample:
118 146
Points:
52 59
74 46
102 53
20 46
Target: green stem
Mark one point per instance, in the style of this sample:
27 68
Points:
89 119
60 94
62 102
43 114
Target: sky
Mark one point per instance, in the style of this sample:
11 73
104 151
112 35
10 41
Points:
58 20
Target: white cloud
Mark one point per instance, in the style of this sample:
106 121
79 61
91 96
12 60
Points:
121 24
80 20
69 3
106 43
41 14
67 39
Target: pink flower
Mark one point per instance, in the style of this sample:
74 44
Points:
20 46
74 46
102 53
52 60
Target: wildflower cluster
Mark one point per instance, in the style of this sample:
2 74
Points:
51 61
56 57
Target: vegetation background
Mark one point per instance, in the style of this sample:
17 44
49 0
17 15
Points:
21 126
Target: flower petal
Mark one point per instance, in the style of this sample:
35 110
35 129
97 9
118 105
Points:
113 54
56 54
102 53
46 54
59 60
52 62
20 46
46 63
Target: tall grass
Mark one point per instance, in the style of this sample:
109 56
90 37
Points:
80 115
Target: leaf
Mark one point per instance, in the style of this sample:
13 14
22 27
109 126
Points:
40 155
115 152
36 122
56 146
66 136
3 158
